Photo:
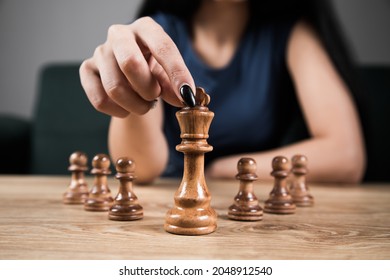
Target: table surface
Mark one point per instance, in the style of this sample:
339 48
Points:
347 222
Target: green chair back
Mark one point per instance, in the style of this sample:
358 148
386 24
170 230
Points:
64 121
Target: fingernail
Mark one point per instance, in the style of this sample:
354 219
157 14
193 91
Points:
187 95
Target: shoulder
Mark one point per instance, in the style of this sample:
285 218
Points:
303 43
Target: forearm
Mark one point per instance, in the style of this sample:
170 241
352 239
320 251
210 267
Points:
328 161
140 138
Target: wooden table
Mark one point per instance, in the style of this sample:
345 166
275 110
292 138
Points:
347 222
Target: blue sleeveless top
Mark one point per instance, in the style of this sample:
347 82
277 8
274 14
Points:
252 97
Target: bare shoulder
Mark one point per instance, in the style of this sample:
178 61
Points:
303 30
303 42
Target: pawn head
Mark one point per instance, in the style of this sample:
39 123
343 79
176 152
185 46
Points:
101 161
280 163
299 161
125 165
78 159
246 165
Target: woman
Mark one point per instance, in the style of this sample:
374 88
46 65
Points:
263 62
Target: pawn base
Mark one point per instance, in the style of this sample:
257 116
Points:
279 207
126 213
303 200
74 198
245 213
98 205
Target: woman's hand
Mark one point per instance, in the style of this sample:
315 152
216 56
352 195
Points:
136 65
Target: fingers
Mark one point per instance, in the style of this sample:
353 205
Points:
164 50
116 84
132 62
95 92
167 92
137 64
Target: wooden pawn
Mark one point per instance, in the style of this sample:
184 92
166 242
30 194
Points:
280 200
77 191
99 198
298 188
125 206
246 205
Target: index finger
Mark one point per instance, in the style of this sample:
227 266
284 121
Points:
165 51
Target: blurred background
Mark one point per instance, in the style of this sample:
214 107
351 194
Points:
34 33
33 97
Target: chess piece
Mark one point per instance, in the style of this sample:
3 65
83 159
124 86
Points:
99 198
246 205
125 206
298 188
77 191
192 213
280 200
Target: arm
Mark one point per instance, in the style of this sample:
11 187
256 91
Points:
335 150
142 139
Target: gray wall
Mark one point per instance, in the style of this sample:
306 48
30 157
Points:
36 32
33 33
366 24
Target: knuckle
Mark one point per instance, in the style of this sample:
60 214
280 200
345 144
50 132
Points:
99 51
113 88
132 63
86 65
145 21
84 68
99 102
164 49
114 29
86 71
176 74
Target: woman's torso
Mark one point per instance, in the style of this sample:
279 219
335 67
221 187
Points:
252 97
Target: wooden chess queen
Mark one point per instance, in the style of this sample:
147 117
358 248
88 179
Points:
192 213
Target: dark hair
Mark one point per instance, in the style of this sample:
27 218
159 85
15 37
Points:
319 13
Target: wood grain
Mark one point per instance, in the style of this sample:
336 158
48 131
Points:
347 222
